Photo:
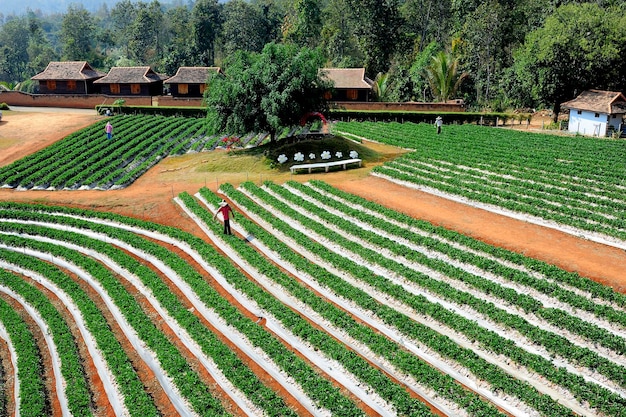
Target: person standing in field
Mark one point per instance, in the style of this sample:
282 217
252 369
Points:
438 123
226 212
109 130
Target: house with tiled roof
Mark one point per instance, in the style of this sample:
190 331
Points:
596 113
131 81
68 77
350 84
190 81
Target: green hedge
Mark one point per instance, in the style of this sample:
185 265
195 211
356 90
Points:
153 110
487 119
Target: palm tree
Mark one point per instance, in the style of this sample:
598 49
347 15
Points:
381 87
443 77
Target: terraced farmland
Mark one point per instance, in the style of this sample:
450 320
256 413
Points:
577 183
325 304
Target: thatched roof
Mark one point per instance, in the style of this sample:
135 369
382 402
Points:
353 78
598 101
131 75
192 75
68 70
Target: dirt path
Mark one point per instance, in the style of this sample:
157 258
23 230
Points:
151 196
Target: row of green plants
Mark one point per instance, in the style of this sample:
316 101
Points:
29 372
491 341
373 377
136 399
552 275
73 372
87 158
318 388
440 343
405 361
186 380
557 317
575 181
238 280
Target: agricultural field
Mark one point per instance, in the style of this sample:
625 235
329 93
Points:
572 181
324 302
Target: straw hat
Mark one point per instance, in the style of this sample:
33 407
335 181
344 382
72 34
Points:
223 203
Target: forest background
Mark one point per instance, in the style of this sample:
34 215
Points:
509 54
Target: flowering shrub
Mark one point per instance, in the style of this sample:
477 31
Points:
282 158
354 154
325 155
298 157
231 141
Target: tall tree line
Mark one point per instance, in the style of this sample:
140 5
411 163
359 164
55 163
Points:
495 54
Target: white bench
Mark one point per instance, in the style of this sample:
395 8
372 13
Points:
325 165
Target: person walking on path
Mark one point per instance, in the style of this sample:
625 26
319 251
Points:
109 130
226 212
438 123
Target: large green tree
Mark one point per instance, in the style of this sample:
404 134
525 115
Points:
146 45
443 75
206 23
376 27
77 35
580 46
14 36
268 91
304 23
337 37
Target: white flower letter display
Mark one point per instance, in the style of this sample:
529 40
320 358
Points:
338 154
325 155
282 158
298 157
354 154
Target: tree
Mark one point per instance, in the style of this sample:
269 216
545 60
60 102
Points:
268 91
376 27
381 87
123 15
580 46
240 30
14 36
483 41
426 21
205 21
145 45
338 40
443 75
304 24
77 32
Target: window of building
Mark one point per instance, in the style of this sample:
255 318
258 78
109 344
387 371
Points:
71 85
183 88
597 115
202 88
352 94
115 88
579 112
328 95
135 89
51 85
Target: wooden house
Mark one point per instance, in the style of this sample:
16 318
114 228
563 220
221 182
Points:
69 77
350 84
596 113
131 81
190 81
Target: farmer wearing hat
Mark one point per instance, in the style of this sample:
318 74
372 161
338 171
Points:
226 211
438 123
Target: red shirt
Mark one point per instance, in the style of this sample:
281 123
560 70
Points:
226 210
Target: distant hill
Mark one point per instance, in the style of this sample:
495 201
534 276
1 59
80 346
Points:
19 7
